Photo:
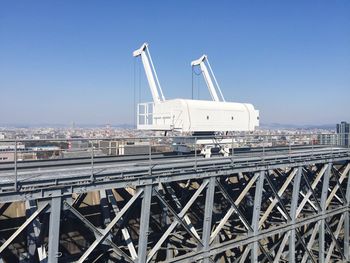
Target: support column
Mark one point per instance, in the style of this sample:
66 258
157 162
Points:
347 223
144 224
293 215
256 215
322 226
105 212
165 220
208 213
33 230
54 229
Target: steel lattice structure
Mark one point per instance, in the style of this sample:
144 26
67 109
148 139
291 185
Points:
278 208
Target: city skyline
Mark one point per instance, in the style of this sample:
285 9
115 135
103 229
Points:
64 62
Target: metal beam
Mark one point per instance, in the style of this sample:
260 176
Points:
105 209
179 219
179 207
337 231
110 226
136 177
347 222
175 223
289 219
234 233
263 234
54 229
311 240
336 187
208 214
234 205
275 200
321 234
256 215
293 213
313 186
317 227
245 254
33 230
125 231
4 207
79 199
144 224
97 231
281 248
23 226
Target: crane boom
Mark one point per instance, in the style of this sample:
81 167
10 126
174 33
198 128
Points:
151 73
200 62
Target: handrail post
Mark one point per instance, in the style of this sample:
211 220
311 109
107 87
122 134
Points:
150 156
232 150
290 150
92 161
332 150
195 153
264 148
150 150
15 164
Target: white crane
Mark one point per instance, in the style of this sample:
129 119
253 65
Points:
192 116
212 89
151 73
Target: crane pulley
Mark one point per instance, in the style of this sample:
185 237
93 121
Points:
207 77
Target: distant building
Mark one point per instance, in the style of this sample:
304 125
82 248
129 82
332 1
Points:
78 144
124 148
109 147
343 131
327 139
7 157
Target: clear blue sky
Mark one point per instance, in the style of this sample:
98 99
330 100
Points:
64 61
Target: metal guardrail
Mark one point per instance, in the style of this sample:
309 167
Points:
152 147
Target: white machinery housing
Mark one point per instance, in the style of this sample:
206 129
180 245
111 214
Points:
191 116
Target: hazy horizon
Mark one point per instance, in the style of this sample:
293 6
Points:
130 125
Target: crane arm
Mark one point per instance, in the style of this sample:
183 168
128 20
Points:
150 71
201 63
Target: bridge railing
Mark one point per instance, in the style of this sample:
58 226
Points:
19 155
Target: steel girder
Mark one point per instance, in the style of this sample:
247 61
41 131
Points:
294 212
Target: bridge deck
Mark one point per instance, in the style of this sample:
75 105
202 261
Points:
260 205
131 170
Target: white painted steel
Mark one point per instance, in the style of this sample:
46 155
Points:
150 71
200 62
187 115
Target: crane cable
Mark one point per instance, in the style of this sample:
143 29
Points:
139 89
197 74
134 86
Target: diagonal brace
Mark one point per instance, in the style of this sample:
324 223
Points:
22 227
109 227
96 231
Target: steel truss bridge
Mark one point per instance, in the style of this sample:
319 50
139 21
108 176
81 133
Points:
270 205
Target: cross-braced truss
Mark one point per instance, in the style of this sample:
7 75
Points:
292 213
